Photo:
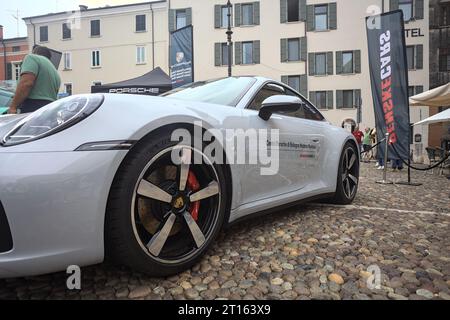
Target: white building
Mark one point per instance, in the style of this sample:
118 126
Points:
318 47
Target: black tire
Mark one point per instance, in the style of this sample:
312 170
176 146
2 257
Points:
124 235
346 177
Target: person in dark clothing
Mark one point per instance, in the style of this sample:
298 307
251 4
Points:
39 82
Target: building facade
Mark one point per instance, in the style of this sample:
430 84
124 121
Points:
12 52
319 47
439 61
104 45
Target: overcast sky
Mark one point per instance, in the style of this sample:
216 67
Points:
27 8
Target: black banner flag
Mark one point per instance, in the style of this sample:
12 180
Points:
182 56
389 79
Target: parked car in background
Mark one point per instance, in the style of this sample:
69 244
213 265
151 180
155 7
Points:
5 100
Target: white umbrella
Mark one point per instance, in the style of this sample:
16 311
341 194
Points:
437 97
443 116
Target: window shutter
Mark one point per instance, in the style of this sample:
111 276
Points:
311 63
217 16
339 62
237 14
339 99
419 90
419 57
393 5
332 16
283 11
9 71
256 13
304 85
330 70
303 49
329 99
171 20
312 97
238 52
419 9
310 25
357 61
217 54
285 79
302 10
256 51
357 97
188 16
283 47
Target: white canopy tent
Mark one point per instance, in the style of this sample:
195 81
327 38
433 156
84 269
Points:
443 116
437 97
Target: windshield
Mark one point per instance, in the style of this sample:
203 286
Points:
227 91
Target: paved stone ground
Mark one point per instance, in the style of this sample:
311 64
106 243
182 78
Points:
308 252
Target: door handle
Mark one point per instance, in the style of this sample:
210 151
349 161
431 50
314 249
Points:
315 140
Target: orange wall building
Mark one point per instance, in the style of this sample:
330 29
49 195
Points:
12 53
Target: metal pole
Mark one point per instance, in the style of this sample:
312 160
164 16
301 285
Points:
385 181
230 43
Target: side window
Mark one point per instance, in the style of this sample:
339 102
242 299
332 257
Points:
267 91
307 112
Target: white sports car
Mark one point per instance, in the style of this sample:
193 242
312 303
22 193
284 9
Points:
94 176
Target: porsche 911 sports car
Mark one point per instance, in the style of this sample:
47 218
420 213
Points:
90 177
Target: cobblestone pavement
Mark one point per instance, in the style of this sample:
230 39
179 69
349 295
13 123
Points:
308 252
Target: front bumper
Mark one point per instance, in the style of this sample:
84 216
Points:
54 204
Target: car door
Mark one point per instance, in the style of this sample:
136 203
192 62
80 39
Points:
300 142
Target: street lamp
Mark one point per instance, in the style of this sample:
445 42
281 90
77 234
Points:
230 43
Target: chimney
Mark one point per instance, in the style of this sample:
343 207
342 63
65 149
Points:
1 32
83 7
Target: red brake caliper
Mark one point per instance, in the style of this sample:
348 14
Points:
193 184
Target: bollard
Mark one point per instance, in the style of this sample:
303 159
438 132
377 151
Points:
385 181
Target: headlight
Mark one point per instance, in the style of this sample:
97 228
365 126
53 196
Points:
52 118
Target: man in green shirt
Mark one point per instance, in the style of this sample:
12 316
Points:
39 82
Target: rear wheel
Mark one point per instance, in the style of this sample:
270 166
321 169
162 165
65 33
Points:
348 175
163 213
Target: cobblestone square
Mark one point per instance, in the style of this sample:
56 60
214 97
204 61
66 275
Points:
312 251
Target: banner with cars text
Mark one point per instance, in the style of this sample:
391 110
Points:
389 80
181 56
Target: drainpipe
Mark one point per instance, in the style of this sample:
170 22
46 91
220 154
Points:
4 52
34 32
153 36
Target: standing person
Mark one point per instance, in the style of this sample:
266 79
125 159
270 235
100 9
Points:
358 136
39 82
367 144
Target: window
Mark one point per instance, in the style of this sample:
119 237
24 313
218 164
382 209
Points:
96 58
141 23
294 82
43 34
267 91
445 14
181 19
15 48
224 48
67 57
410 57
66 31
444 62
347 62
68 88
247 52
293 10
16 68
95 28
410 91
224 17
321 99
407 7
247 14
294 49
321 17
320 64
348 99
140 55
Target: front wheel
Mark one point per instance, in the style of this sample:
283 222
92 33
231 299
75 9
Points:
163 214
348 175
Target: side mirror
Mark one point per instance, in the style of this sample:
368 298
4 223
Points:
279 103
